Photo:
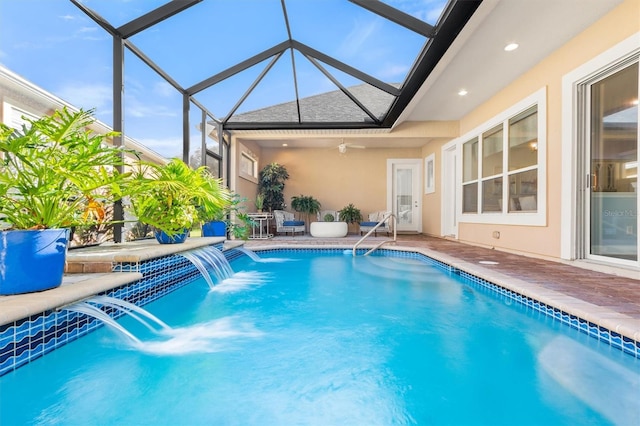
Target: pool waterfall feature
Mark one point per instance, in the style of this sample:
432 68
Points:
205 259
91 307
28 338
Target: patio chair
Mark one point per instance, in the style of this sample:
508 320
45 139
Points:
285 223
374 218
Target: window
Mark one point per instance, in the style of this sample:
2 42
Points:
248 165
501 167
470 176
429 174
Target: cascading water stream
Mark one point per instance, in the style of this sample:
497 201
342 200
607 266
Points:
251 254
131 309
197 261
95 312
210 258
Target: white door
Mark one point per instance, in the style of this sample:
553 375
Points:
449 196
404 193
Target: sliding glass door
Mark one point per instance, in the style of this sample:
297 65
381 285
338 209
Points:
612 151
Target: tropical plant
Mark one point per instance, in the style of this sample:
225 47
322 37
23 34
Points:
234 216
259 202
271 185
306 205
172 197
55 173
350 214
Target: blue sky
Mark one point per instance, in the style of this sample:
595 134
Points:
57 47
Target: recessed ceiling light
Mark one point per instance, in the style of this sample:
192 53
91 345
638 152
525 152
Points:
285 144
511 46
462 92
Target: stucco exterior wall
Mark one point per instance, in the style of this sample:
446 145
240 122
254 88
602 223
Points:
431 211
245 187
619 24
334 179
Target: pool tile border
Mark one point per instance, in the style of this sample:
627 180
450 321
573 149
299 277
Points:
30 338
603 334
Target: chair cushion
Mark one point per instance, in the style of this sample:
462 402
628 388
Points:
369 224
293 223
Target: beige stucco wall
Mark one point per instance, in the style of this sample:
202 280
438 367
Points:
619 24
431 211
334 179
245 187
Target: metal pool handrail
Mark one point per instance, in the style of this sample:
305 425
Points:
383 220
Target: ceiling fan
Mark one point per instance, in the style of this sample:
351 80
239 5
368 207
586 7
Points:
342 148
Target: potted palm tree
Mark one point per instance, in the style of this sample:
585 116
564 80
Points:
55 174
350 214
306 205
167 197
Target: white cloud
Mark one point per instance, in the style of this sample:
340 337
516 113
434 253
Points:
140 110
167 147
425 10
87 29
164 89
357 37
87 96
394 72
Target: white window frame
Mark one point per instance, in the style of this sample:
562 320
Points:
538 218
247 155
570 181
430 174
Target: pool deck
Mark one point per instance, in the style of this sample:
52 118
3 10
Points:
606 296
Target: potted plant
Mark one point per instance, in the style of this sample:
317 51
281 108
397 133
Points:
259 202
230 219
271 185
168 197
306 205
55 175
350 214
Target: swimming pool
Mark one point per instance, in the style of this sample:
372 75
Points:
323 338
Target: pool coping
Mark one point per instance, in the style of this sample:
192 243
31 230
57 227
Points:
77 287
94 270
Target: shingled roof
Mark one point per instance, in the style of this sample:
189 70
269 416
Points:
334 106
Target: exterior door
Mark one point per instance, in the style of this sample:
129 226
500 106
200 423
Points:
612 151
404 179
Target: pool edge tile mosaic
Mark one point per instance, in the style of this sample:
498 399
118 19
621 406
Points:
30 338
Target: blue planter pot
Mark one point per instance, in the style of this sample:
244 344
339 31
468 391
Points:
163 238
32 260
215 228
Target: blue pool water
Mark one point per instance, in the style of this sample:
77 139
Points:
327 339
